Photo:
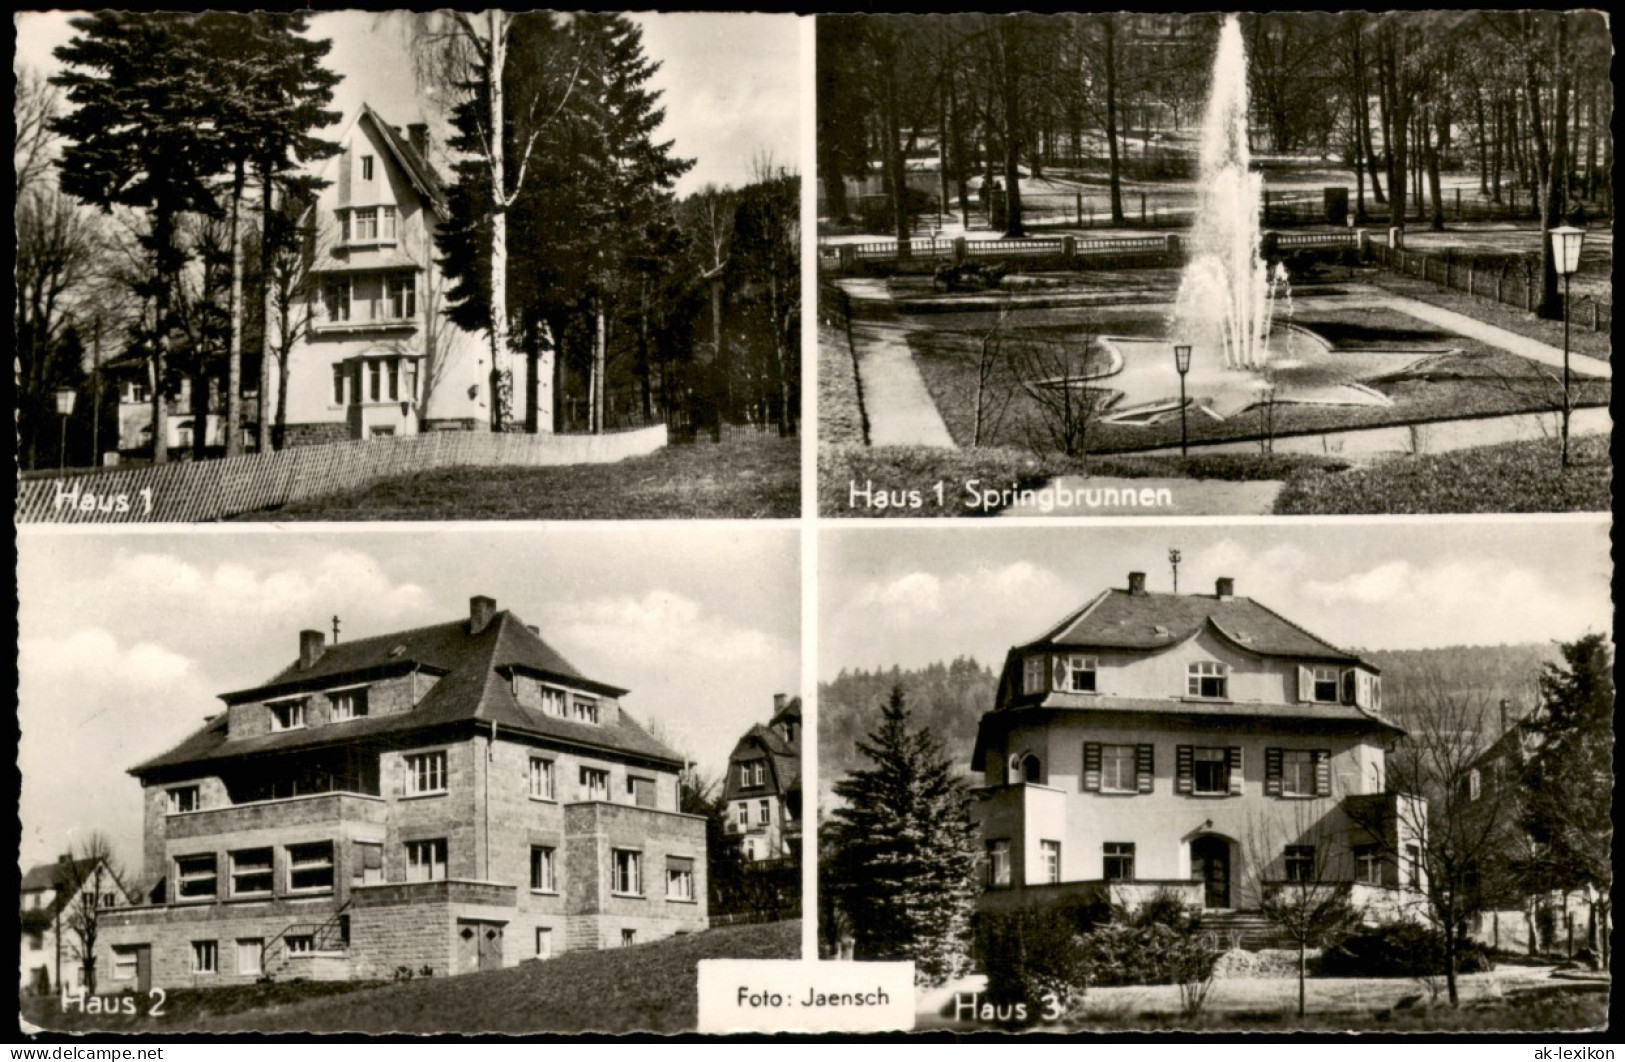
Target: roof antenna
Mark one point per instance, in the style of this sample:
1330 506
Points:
335 630
1173 561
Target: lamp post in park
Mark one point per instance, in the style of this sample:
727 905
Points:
65 397
1182 362
1566 243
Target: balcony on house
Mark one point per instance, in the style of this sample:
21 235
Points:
326 787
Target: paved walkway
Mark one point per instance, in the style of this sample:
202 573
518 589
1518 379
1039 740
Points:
900 409
1109 496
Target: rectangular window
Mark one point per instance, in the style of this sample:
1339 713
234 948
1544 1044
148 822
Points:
758 773
1413 866
1326 685
1297 772
375 379
594 783
426 860
679 878
124 964
205 957
629 937
1118 861
336 299
251 872
998 864
742 813
340 374
299 943
386 223
366 224
394 370
1211 772
310 867
764 812
627 870
348 704
1207 679
248 955
426 773
183 799
541 779
287 715
553 702
366 167
544 942
1368 864
1117 769
196 877
1300 862
403 296
1080 674
586 710
1033 675
541 869
1051 851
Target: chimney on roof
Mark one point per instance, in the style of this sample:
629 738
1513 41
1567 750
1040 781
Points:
1136 583
417 134
1224 587
778 702
480 611
312 644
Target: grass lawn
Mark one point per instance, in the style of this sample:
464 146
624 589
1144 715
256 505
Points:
902 469
1478 380
1518 477
747 475
840 399
648 987
186 1008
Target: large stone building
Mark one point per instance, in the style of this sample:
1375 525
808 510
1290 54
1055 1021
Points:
1194 743
440 800
763 787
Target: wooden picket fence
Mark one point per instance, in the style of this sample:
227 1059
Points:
193 491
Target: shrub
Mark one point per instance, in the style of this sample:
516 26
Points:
1032 955
1159 943
1400 949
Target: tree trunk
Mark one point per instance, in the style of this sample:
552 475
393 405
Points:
1114 165
645 371
1435 146
722 390
1010 53
1303 975
200 414
266 439
958 151
234 352
163 225
600 363
1483 142
502 381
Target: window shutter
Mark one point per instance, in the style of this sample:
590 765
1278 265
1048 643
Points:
1362 689
1234 752
1091 766
1376 693
1145 764
1323 772
1348 685
1185 773
1306 684
1272 768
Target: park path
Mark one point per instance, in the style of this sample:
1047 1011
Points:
1105 495
900 409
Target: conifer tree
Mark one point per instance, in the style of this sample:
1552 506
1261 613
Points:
904 856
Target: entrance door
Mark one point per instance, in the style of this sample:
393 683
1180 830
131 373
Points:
143 969
1210 864
491 946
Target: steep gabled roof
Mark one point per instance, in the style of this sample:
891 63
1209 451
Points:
768 743
1118 619
473 688
418 171
62 876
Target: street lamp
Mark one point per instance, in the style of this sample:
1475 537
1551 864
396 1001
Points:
1566 243
65 397
1182 362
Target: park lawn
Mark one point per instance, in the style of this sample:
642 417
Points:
1582 340
1516 477
748 475
840 398
902 469
1478 381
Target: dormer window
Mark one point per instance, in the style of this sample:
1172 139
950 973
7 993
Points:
1078 674
1208 680
183 799
1324 685
1033 678
553 702
287 715
586 710
752 773
348 704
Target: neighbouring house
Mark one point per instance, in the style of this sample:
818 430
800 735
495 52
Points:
132 376
1199 744
374 353
428 802
51 899
763 789
1520 918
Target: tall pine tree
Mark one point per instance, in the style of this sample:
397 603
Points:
903 852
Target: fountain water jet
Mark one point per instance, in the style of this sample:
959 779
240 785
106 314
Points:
1227 291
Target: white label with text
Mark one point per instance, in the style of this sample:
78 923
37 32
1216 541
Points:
740 995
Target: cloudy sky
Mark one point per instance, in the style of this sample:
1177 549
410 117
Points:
730 82
913 595
128 638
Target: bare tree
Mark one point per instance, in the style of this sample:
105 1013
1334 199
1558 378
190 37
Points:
991 402
1298 874
1055 371
1459 834
91 883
